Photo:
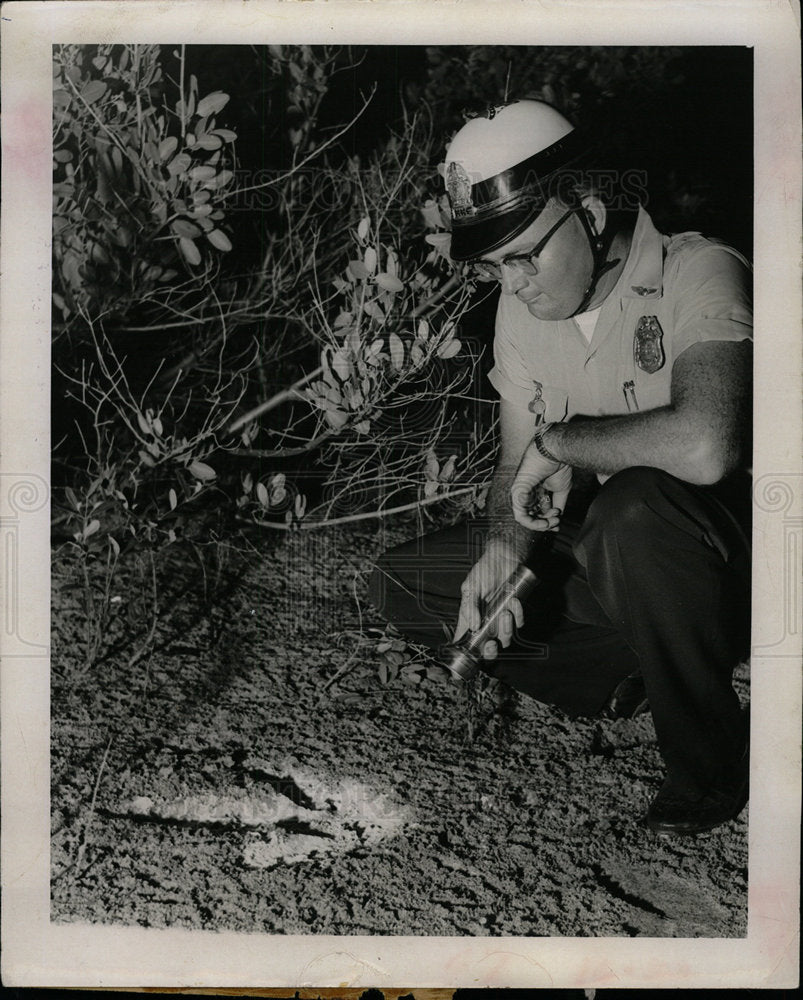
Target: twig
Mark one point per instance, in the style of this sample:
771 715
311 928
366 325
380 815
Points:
315 152
310 525
342 671
292 392
137 655
274 401
79 855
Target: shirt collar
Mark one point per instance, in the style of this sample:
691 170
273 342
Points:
642 277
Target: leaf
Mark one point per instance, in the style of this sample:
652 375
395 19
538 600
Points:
179 164
343 319
201 471
374 310
389 282
431 466
212 103
114 545
417 355
203 173
221 180
144 426
167 147
449 349
91 528
362 426
262 494
173 499
336 418
209 142
358 270
93 91
300 505
182 227
441 242
341 365
431 488
225 134
219 240
396 351
362 229
447 472
423 329
62 156
432 216
190 251
369 259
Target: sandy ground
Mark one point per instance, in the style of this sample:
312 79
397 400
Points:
218 783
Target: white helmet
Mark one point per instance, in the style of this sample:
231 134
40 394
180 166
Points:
501 170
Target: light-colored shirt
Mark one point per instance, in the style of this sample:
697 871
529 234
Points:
695 288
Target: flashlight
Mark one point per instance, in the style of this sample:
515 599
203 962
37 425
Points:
463 658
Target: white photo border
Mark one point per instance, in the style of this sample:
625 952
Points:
38 953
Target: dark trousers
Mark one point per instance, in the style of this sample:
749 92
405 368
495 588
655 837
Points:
655 577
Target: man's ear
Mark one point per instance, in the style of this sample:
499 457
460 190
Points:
596 212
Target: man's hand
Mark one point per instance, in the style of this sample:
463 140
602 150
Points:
536 470
490 571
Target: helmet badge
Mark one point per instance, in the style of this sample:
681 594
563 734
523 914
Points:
458 187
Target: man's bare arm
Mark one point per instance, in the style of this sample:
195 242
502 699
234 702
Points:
699 437
515 433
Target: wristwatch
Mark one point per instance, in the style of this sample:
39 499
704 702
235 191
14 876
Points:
542 449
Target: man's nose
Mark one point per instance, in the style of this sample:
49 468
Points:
513 279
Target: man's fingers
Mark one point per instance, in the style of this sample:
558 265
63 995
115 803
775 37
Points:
559 500
537 522
490 650
468 619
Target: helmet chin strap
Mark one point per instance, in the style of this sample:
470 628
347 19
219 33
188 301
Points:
600 245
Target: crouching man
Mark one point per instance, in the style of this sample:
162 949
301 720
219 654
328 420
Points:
626 354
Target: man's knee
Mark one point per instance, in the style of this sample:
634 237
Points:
628 501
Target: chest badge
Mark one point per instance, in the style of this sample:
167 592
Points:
537 406
648 350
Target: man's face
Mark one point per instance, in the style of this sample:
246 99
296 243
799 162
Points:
563 268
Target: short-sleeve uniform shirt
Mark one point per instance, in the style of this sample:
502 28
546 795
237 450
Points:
674 291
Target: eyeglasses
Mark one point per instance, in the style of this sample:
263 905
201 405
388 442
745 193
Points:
491 270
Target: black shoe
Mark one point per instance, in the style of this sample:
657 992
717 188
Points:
629 699
671 814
